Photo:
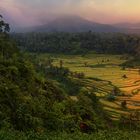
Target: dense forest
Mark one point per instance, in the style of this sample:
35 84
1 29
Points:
35 99
81 43
74 43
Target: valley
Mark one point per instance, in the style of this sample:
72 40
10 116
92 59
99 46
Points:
69 70
108 69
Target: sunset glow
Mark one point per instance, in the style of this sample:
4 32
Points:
104 11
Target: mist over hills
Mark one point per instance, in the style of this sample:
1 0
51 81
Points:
79 24
129 27
75 24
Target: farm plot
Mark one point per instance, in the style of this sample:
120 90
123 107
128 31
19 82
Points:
107 68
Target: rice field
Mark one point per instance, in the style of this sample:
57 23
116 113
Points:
107 68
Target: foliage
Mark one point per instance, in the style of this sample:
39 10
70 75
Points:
38 107
101 135
28 101
111 98
4 27
79 43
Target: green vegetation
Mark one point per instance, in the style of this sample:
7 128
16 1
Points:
102 135
79 43
114 87
82 43
134 63
62 97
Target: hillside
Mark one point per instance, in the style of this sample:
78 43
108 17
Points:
131 28
73 24
31 101
42 99
128 25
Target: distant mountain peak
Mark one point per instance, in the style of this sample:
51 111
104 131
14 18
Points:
70 23
74 24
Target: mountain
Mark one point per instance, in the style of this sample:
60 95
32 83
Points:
128 27
74 24
78 24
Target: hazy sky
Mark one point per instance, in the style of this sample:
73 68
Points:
30 12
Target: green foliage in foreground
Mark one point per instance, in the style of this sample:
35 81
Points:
101 135
29 102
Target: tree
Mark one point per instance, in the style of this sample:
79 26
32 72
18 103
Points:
4 27
124 76
7 46
139 71
61 63
124 104
86 64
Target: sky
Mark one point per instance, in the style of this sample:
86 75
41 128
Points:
34 12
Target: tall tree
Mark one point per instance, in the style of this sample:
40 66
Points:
4 27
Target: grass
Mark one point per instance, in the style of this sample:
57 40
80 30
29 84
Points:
101 135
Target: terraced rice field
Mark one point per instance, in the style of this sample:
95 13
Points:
107 68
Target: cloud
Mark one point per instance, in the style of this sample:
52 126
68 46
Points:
31 12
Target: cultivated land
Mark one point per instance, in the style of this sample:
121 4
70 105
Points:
107 68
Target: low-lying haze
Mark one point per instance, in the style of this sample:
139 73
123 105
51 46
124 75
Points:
34 12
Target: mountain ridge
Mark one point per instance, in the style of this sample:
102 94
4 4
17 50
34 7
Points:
75 24
72 24
79 24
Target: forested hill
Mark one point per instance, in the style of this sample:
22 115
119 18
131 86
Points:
25 98
30 101
78 43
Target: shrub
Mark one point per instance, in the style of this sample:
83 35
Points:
111 98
